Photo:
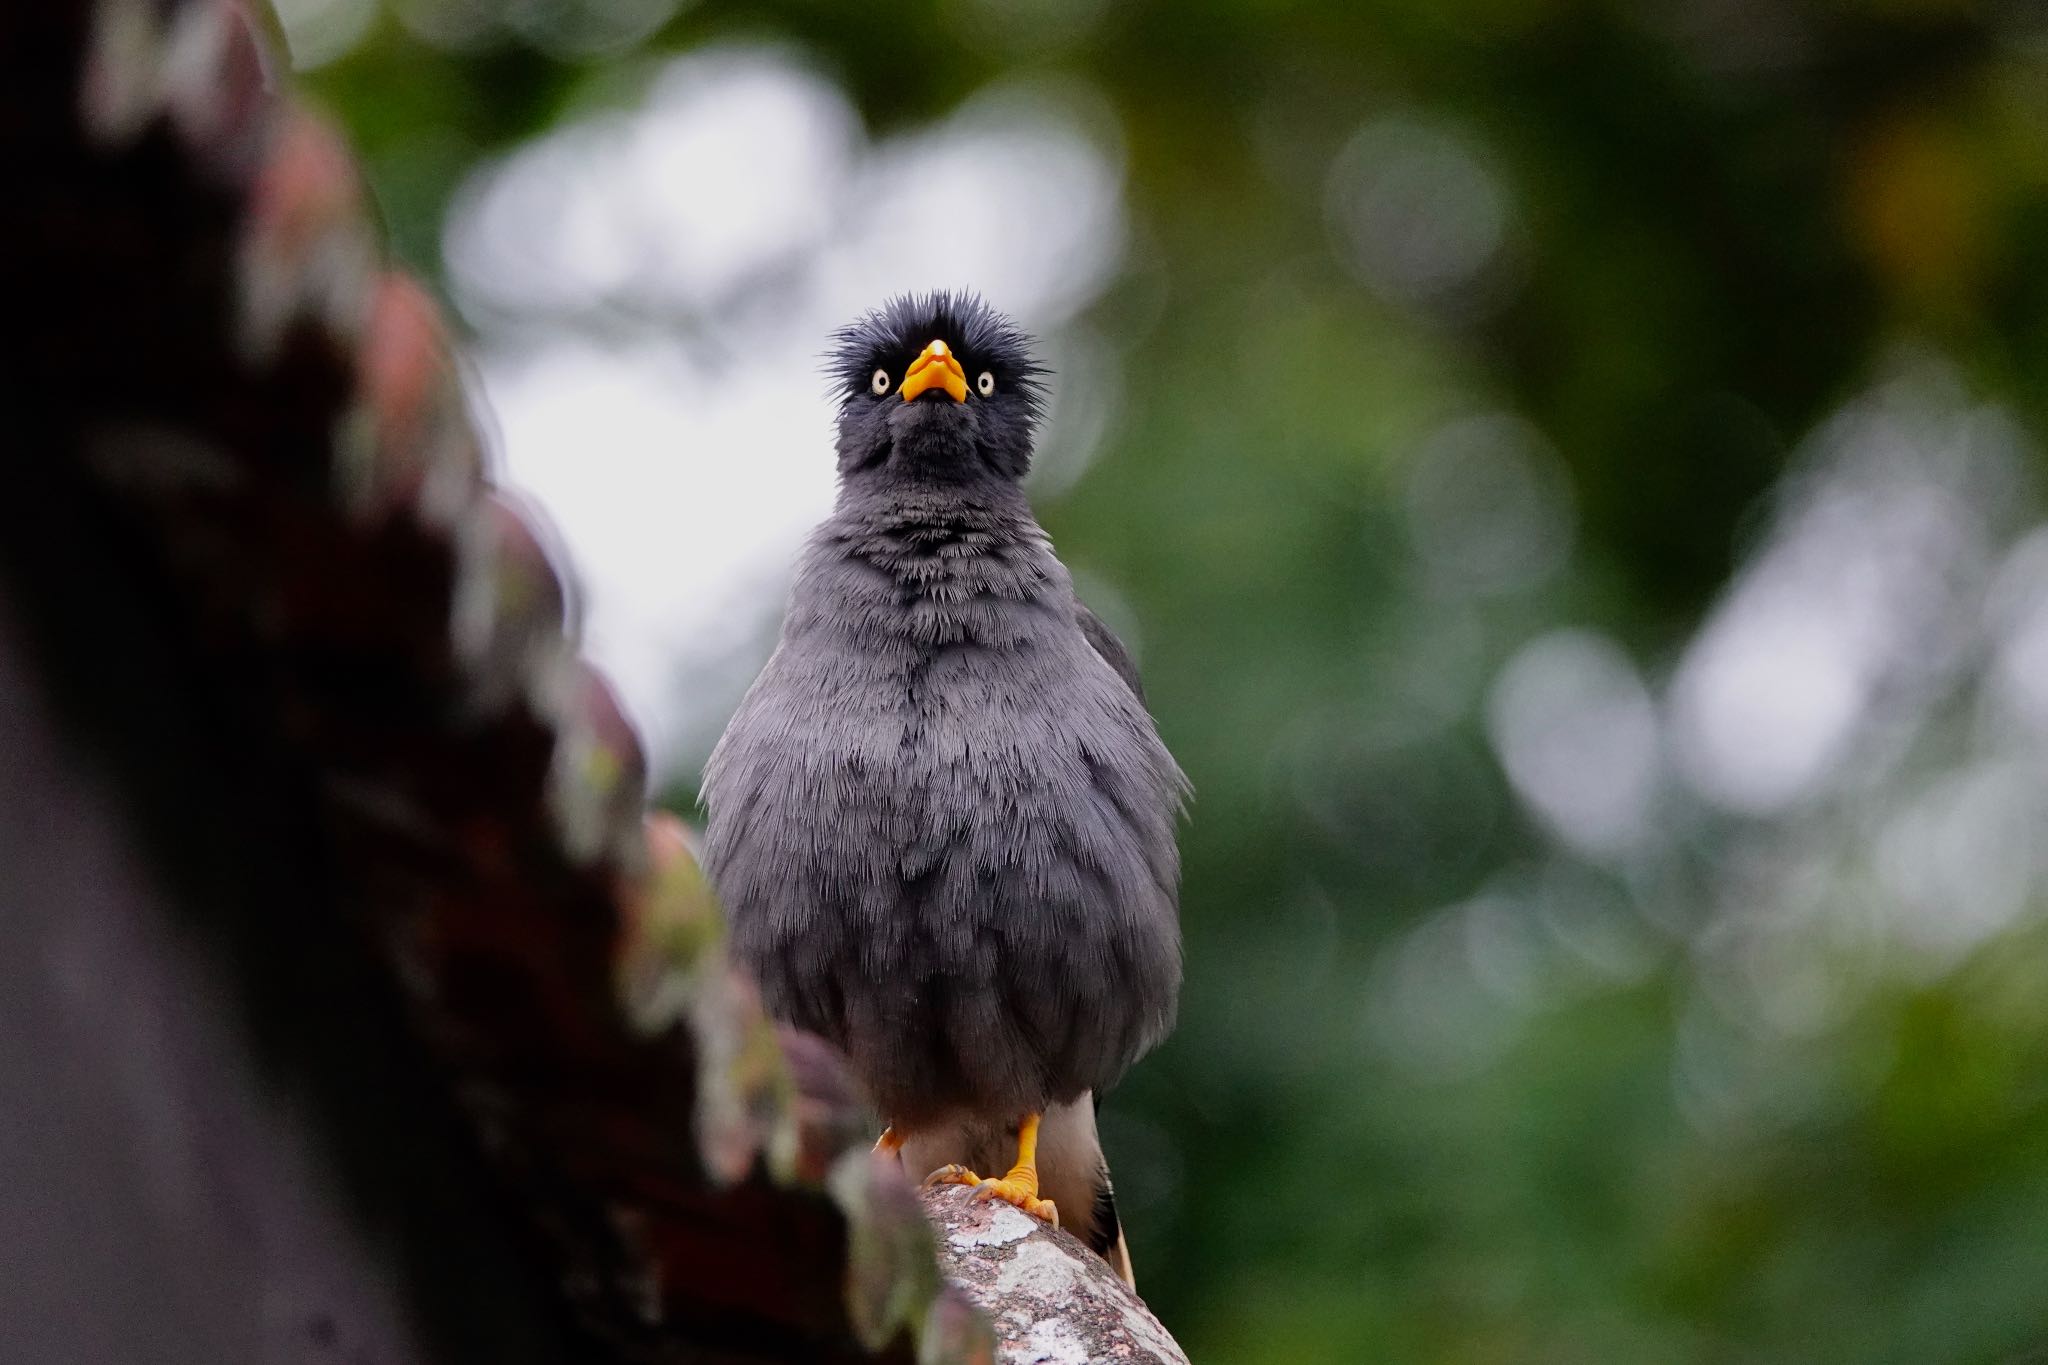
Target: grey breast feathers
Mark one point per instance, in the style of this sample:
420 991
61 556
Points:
955 858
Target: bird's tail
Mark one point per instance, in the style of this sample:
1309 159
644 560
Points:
1070 1152
1107 1233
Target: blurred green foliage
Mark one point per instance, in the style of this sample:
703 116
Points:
1728 218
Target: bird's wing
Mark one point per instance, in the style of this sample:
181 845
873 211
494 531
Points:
1111 649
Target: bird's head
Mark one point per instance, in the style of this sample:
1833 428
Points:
938 387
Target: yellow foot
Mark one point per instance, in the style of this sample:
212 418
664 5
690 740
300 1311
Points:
1018 1187
1021 1192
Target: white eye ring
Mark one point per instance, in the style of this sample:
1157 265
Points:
985 384
878 383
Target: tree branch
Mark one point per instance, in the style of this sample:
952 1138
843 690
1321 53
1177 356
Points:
1052 1300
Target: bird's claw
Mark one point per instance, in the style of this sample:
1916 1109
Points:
1022 1194
1010 1189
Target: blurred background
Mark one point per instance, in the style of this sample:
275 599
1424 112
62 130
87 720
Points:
1573 475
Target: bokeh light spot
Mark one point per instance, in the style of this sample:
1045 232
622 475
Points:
1576 730
1416 209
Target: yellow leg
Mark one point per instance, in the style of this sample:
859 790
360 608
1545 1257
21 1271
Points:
889 1143
1019 1187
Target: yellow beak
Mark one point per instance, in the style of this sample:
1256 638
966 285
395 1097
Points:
935 369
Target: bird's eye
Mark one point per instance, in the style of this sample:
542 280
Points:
984 383
878 382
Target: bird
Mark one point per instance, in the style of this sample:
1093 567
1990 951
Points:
942 821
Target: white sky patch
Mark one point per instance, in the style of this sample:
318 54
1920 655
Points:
1012 197
679 499
655 289
733 163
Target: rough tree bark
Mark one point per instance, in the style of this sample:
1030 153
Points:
359 1009
1051 1300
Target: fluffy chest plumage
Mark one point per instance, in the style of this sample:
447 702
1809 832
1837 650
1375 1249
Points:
943 824
923 646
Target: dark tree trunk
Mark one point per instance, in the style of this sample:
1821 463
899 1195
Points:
348 1015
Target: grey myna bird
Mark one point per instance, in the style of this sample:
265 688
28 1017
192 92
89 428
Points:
941 821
